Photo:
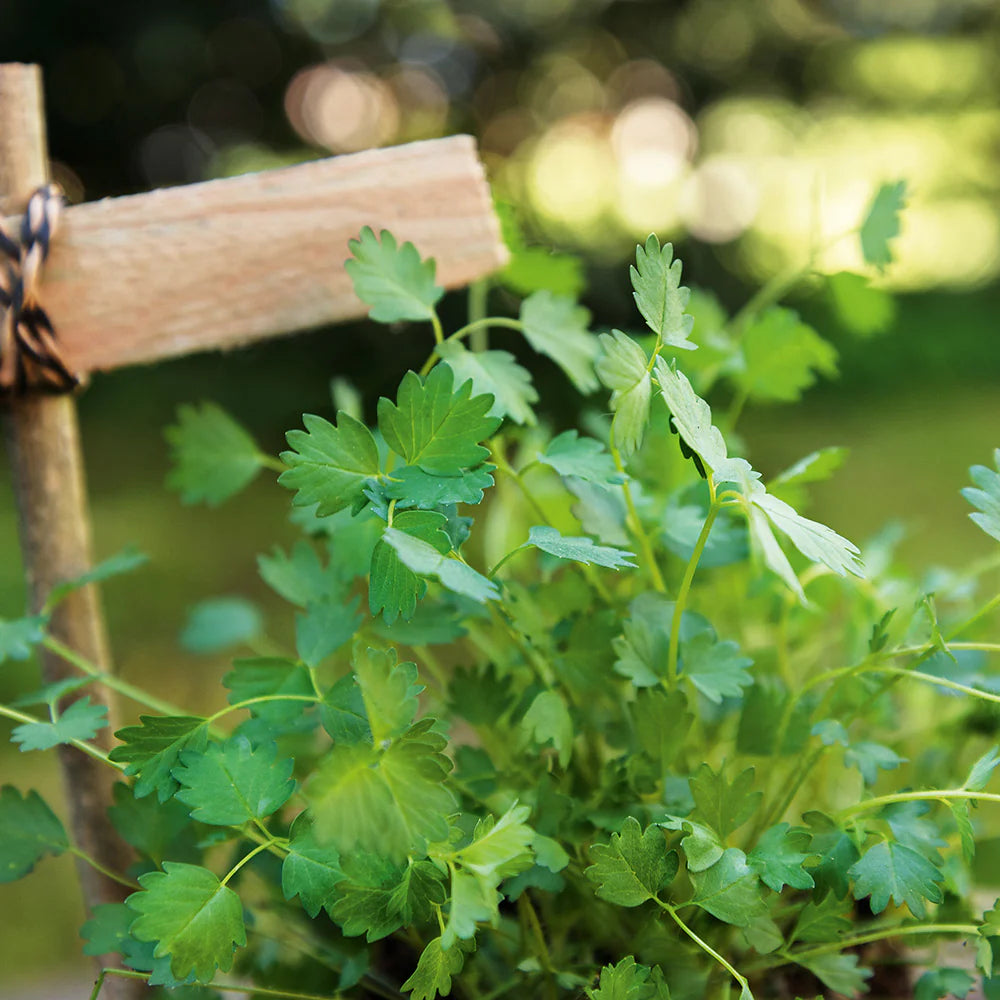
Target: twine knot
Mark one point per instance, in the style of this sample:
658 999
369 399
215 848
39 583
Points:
29 354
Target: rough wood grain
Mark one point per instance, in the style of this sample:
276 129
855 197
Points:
225 262
44 445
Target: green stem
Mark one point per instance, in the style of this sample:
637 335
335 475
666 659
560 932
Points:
638 531
984 610
682 595
478 293
510 555
137 694
436 325
87 748
312 699
106 872
249 857
467 330
270 462
705 946
934 795
257 991
527 910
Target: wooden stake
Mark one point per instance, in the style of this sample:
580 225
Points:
44 445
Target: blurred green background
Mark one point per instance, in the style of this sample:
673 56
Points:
749 132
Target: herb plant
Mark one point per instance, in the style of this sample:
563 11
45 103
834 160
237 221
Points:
594 714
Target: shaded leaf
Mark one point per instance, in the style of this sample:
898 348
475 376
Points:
80 721
839 972
19 636
715 668
425 560
496 373
938 983
556 326
29 830
881 224
220 623
778 858
892 871
153 748
393 588
986 497
583 457
324 627
310 870
723 805
548 719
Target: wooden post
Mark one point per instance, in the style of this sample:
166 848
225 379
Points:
44 445
171 272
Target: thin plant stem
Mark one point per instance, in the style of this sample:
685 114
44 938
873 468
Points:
682 595
468 330
478 294
249 857
436 325
270 462
257 991
984 610
106 872
638 531
312 699
932 795
88 748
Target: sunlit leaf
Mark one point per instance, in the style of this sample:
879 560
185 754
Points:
557 327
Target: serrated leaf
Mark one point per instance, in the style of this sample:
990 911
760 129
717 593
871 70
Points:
389 801
310 870
774 558
659 294
263 677
324 627
392 279
435 968
723 805
986 499
702 846
435 426
881 224
778 858
861 308
410 487
191 916
910 828
634 866
155 829
125 561
816 467
80 721
153 748
220 623
557 327
730 890
582 457
213 456
496 373
107 930
836 851
782 356
622 367
364 899
393 588
715 668
892 871
982 770
870 757
963 823
578 549
299 576
988 951
499 848
839 972
425 560
231 783
626 981
330 463
822 921
29 830
19 636
389 692
548 720
473 901
938 983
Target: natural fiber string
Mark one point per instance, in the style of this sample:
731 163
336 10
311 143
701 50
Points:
29 354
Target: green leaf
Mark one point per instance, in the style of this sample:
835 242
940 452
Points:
622 367
155 829
837 853
392 279
494 373
425 560
702 847
231 783
938 983
578 549
107 930
986 499
715 668
329 463
963 823
434 970
213 456
881 224
499 848
582 457
781 357
557 327
19 636
869 758
548 719
299 576
390 801
778 858
264 677
730 890
627 981
473 901
364 899
634 866
393 588
724 806
122 562
410 486
191 916
533 268
220 623
892 871
982 770
988 950
659 294
839 972
153 748
862 309
389 692
816 467
436 427
80 721
310 870
324 627
29 830
822 921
